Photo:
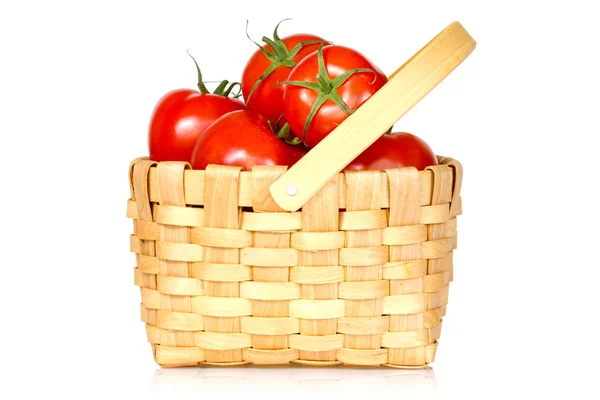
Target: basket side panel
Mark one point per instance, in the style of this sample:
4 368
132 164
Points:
359 276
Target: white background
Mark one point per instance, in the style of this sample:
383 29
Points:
78 81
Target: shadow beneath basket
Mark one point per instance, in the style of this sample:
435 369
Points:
293 377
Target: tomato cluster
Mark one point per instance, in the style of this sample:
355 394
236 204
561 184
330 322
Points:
296 90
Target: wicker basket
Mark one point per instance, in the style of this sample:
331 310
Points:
349 267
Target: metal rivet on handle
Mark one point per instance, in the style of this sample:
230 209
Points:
291 190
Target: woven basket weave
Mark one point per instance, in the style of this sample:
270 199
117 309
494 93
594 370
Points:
308 265
359 275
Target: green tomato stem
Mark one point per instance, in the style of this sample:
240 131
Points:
221 90
201 85
284 131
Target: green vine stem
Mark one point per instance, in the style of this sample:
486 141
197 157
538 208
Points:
223 89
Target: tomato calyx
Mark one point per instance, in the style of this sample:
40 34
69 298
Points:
224 88
326 88
284 132
280 56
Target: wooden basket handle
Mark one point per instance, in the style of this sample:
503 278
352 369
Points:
404 89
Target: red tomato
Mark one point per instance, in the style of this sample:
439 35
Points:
327 95
267 97
397 150
243 138
180 117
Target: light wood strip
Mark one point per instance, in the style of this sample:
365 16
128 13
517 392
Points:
268 257
270 290
270 326
317 275
405 339
175 285
221 211
272 221
179 321
315 241
405 304
363 325
363 357
316 343
216 272
221 306
405 269
166 355
179 216
219 237
270 357
364 290
317 309
222 341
